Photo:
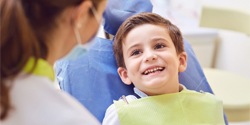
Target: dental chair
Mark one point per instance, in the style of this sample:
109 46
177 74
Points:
92 78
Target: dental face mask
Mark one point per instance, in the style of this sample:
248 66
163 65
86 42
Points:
78 50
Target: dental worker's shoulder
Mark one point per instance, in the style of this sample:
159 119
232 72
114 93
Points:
45 104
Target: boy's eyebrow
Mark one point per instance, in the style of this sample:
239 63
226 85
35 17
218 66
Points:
133 46
159 38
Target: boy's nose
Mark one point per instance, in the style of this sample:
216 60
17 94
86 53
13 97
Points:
150 56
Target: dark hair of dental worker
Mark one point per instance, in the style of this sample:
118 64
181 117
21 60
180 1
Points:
34 34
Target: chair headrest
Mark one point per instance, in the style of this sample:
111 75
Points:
117 11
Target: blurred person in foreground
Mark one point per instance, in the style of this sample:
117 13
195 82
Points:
34 34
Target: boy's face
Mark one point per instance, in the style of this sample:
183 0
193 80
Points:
152 63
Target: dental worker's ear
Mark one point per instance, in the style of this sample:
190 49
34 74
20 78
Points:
183 61
124 75
81 13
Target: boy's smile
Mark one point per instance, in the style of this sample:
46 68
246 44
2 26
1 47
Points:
152 63
153 70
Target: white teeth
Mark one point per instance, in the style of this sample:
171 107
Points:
153 70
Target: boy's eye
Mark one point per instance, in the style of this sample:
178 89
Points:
135 52
159 45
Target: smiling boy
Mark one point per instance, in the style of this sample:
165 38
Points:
150 54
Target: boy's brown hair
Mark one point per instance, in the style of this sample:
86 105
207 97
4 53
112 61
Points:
138 20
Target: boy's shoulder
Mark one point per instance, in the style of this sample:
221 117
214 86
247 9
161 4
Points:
126 99
112 108
201 96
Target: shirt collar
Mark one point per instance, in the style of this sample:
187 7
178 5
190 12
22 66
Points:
142 94
43 68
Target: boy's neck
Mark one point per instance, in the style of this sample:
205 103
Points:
142 94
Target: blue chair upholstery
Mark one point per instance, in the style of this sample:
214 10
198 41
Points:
118 11
92 77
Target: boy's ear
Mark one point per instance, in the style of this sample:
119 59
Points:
124 75
183 61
